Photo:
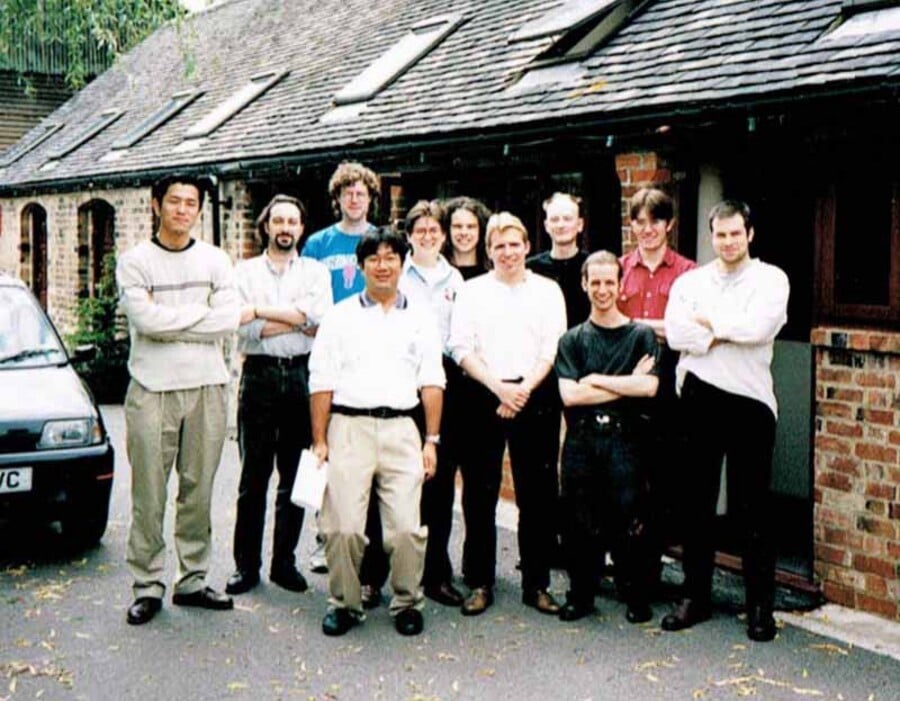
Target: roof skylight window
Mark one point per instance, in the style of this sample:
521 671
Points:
86 133
233 104
866 18
421 38
568 16
31 141
147 126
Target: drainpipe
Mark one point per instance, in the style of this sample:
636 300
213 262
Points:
216 211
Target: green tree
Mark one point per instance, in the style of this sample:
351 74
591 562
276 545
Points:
76 38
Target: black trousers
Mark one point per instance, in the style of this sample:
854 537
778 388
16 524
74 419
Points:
533 441
273 429
604 499
437 495
742 430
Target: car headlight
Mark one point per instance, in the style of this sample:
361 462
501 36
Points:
70 433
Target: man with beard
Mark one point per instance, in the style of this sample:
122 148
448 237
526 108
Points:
284 298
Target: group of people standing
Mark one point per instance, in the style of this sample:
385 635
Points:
399 358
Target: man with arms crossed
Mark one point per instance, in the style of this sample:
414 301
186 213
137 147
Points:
724 317
505 328
607 373
284 297
179 296
373 353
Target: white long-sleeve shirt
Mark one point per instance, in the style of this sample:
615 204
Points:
304 285
180 305
509 327
436 288
746 310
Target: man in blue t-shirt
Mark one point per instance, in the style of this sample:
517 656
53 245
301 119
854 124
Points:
352 188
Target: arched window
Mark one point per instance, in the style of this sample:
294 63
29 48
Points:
33 250
96 238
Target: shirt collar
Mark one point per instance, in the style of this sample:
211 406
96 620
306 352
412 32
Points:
634 259
293 259
365 301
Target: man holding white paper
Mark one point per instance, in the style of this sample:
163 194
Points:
284 297
376 353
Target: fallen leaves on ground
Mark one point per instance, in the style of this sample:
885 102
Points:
15 670
830 648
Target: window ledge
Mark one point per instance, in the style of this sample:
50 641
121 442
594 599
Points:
875 341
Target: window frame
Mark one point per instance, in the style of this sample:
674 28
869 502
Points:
177 103
255 87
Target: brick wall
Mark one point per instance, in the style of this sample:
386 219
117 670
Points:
857 468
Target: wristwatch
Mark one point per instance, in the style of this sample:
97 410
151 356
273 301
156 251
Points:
433 438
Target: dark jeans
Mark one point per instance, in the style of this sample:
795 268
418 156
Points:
273 429
604 498
742 430
533 441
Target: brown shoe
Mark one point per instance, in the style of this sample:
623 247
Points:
478 602
542 600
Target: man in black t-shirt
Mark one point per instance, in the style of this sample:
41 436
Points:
607 376
562 263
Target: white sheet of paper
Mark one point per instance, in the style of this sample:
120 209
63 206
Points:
309 485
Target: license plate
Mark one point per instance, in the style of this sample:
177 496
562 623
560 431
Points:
15 479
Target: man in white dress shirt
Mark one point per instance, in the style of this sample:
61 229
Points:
374 356
504 332
284 298
724 317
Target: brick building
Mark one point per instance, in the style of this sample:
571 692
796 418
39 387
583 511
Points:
789 104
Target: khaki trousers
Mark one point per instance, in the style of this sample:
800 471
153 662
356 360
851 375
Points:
389 451
185 428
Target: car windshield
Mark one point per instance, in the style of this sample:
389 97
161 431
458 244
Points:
26 337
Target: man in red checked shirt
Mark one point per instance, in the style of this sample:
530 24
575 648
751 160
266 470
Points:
647 276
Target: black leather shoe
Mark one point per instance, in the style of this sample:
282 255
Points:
574 610
444 593
370 597
409 622
760 624
143 610
288 578
241 582
207 598
338 621
541 600
638 613
478 602
688 613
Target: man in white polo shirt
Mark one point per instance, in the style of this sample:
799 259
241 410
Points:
724 317
504 332
374 355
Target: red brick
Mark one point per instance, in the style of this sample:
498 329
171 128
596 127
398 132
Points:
875 565
894 437
845 395
878 398
839 428
875 379
832 375
833 445
874 546
834 480
629 160
877 416
873 451
893 550
882 607
844 596
827 553
876 586
834 517
849 466
876 526
881 491
817 337
894 511
650 175
842 411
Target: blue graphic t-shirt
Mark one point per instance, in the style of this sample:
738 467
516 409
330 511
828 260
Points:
337 251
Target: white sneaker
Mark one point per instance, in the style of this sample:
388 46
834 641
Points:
317 561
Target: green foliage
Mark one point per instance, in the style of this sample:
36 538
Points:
100 328
76 38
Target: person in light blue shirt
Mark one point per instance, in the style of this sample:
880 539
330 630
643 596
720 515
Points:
352 188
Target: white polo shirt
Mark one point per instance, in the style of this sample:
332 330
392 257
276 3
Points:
369 357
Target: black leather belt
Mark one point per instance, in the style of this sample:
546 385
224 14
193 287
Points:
378 412
270 361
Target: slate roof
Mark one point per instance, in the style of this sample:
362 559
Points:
675 55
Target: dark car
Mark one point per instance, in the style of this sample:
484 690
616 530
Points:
56 461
